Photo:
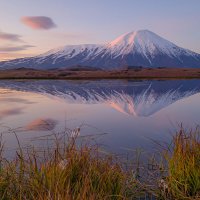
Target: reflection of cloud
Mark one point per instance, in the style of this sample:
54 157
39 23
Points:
8 112
41 125
10 37
38 22
15 48
16 100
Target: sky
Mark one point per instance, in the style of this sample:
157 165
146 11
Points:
31 27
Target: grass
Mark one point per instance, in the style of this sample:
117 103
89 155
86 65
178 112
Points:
66 172
75 171
184 166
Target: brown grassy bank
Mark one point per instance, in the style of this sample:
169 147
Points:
140 73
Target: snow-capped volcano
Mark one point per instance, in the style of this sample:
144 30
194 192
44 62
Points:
139 48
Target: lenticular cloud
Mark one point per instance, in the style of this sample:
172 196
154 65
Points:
38 22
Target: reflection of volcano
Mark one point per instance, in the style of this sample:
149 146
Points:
141 98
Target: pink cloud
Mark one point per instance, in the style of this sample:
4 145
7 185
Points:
38 22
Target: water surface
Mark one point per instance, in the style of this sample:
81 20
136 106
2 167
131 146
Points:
132 113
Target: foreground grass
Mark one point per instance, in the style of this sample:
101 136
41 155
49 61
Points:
184 166
67 172
80 172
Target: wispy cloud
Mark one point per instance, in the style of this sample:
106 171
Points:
10 112
15 48
10 37
13 55
38 22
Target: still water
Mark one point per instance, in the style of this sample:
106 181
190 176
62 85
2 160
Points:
133 114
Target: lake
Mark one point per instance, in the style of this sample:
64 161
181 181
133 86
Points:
118 114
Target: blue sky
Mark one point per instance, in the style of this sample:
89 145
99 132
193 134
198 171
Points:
95 21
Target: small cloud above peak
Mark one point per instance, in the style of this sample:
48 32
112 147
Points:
38 22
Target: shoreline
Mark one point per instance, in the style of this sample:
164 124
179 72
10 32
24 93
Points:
79 74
